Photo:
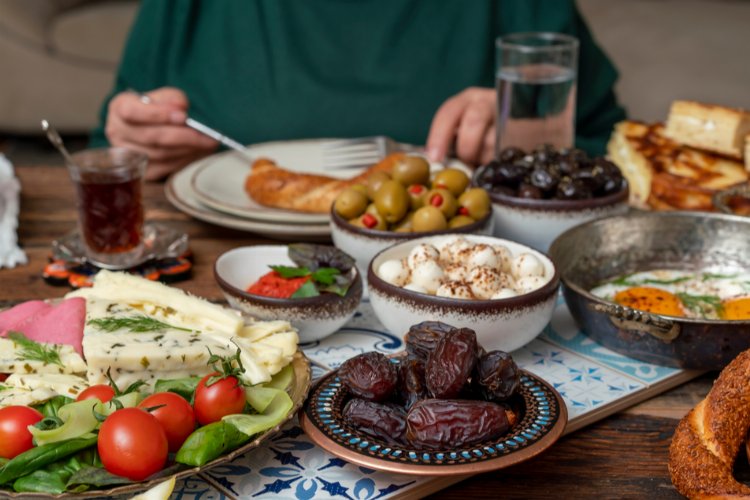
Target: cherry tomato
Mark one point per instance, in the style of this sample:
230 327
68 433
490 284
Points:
224 397
15 437
102 392
3 376
176 416
132 444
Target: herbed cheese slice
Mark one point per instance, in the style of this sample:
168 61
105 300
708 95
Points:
13 359
161 301
11 396
62 385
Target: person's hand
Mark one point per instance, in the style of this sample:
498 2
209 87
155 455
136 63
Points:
158 129
466 120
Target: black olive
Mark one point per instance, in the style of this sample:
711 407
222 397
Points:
544 179
506 190
572 189
511 154
592 177
529 191
509 174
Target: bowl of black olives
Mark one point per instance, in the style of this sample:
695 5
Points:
538 195
409 201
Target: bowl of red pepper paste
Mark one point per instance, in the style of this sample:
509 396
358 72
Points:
264 283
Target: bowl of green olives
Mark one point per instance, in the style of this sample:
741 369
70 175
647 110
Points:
538 195
408 202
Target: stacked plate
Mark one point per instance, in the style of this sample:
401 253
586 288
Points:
212 190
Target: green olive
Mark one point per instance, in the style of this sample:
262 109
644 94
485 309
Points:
411 170
476 201
372 209
360 187
428 218
392 201
350 203
417 193
370 221
460 220
404 225
452 179
443 200
374 180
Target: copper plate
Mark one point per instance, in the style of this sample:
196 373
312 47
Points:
298 391
543 420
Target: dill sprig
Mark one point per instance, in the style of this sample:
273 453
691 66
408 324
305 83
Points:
625 281
137 324
35 351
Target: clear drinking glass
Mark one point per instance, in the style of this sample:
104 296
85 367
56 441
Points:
536 90
109 197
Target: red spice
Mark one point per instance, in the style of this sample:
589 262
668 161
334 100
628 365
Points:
273 285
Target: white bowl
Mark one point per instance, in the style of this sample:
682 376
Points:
501 324
363 244
313 317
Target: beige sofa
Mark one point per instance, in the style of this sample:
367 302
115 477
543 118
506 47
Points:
57 57
57 60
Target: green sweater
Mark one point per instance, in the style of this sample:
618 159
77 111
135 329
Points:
262 70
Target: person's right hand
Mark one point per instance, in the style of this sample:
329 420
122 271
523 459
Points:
158 129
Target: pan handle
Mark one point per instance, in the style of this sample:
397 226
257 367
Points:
632 319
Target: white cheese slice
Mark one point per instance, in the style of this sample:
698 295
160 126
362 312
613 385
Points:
13 360
262 329
11 396
286 341
62 385
160 300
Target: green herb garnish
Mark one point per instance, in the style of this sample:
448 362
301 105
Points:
228 366
624 281
703 304
35 351
714 276
137 324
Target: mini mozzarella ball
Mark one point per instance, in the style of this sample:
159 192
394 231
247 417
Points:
527 264
415 288
450 250
456 272
504 257
428 274
484 282
454 290
482 255
504 293
530 283
394 272
421 253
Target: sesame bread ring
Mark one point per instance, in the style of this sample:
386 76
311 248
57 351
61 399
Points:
707 440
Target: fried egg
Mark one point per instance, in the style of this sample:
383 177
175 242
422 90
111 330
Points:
722 294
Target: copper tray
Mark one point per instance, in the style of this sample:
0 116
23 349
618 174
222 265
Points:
298 391
543 411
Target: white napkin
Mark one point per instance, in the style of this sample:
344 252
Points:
10 188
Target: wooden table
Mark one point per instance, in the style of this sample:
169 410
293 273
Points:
623 456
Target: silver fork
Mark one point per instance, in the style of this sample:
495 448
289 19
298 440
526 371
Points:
360 152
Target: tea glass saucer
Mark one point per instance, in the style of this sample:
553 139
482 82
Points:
159 242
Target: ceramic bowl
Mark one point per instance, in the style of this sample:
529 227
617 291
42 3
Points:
537 223
313 317
363 244
504 324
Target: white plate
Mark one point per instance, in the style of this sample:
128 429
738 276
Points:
219 181
180 193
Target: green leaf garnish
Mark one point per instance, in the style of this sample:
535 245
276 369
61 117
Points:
35 351
229 366
308 289
714 276
703 304
287 272
137 324
326 275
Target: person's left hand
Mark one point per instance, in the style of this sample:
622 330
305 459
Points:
468 120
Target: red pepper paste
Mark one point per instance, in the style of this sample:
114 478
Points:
273 285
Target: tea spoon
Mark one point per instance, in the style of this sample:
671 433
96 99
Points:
57 141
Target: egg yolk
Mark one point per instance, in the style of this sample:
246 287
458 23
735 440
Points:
736 309
654 300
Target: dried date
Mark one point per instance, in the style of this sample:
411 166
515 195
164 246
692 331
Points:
443 424
370 376
451 362
383 421
412 386
496 376
422 338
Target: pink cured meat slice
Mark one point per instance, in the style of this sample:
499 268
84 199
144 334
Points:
16 317
61 324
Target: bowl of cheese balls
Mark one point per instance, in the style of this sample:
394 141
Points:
538 195
409 201
502 290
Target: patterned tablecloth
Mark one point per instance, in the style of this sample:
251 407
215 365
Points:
593 381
